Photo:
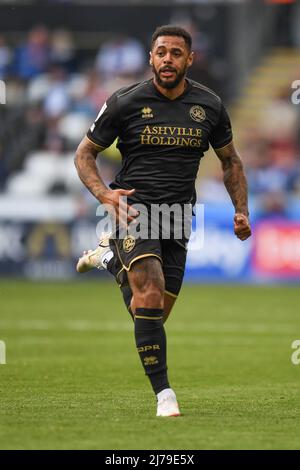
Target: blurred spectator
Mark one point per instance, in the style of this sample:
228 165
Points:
272 164
22 131
57 100
279 119
88 93
5 58
212 189
53 140
121 56
63 50
33 57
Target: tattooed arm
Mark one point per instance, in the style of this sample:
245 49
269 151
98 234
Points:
85 162
236 185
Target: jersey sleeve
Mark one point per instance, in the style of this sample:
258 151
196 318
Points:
222 133
106 126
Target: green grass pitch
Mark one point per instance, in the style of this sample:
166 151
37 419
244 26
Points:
73 379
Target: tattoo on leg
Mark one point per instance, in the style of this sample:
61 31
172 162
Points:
146 271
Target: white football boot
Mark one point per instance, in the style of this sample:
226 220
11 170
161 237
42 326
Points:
97 258
167 403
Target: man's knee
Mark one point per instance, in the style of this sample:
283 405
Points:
151 296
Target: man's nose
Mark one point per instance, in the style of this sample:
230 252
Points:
168 58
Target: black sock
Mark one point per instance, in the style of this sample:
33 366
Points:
151 344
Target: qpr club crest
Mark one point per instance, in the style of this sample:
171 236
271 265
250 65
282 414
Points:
128 243
197 113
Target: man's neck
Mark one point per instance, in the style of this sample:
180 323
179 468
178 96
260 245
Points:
171 93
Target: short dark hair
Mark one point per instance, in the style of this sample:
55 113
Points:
170 30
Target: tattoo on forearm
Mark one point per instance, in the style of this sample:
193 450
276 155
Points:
88 173
234 177
236 183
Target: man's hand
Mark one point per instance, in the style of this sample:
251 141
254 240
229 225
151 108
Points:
85 162
242 227
116 206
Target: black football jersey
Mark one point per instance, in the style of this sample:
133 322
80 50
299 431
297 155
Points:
161 141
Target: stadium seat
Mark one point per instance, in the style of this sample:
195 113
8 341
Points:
73 126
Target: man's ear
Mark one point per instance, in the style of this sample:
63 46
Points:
190 59
150 58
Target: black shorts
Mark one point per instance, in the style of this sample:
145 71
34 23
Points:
171 253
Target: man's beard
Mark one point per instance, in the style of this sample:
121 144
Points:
169 85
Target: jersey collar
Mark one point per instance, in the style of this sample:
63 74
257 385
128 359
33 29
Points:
186 90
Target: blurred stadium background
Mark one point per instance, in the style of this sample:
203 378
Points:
229 347
61 59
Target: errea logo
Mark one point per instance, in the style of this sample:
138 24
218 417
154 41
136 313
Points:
147 113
